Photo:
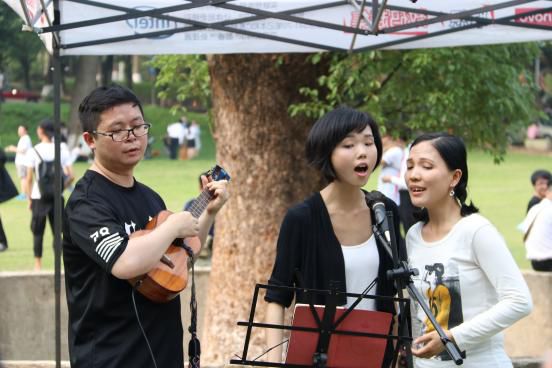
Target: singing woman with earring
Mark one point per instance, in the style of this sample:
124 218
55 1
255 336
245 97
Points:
485 291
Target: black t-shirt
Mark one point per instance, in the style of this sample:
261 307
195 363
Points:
533 201
103 329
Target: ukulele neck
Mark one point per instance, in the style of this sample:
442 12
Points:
200 203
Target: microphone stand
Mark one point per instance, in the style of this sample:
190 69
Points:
404 324
402 275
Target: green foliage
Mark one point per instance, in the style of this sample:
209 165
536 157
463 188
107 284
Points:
480 93
18 49
30 114
145 91
475 92
183 78
484 94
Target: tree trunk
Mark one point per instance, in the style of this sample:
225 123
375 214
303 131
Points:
128 71
262 149
85 82
47 65
26 69
107 69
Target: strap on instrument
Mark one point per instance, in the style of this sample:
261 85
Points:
194 347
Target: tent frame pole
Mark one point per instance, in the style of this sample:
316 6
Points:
58 185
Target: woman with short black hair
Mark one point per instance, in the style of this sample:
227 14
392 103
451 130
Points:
328 237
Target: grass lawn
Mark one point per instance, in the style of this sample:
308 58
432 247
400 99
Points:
500 191
176 182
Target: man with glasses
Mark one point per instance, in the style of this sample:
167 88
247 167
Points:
110 325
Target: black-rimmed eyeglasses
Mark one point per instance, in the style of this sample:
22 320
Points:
123 134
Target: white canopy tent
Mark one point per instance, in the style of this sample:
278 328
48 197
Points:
89 27
102 27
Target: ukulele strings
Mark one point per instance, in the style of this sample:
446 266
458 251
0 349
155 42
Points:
200 203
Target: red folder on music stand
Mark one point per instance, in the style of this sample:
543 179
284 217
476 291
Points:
345 351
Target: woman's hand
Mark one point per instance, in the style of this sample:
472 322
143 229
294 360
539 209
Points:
274 337
431 344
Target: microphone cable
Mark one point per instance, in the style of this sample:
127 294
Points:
142 328
266 351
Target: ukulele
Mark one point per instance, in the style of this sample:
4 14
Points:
170 276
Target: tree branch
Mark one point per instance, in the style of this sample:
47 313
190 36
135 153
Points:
386 80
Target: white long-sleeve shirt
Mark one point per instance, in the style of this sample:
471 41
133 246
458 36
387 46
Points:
473 287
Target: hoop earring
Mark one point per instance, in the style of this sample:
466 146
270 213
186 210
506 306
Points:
451 193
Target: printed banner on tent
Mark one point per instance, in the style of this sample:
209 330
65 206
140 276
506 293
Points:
262 26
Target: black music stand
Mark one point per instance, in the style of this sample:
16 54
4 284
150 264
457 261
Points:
325 327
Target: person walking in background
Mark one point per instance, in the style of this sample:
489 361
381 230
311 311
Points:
23 146
2 78
64 133
197 135
482 290
532 131
3 238
193 139
40 166
7 192
540 180
393 150
406 209
537 229
176 135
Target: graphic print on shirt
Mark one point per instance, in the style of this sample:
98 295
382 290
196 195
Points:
106 243
440 286
130 228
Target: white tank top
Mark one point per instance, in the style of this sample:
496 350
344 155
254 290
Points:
361 268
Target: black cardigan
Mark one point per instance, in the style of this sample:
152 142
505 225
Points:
307 246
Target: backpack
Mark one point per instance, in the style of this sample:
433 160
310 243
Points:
46 178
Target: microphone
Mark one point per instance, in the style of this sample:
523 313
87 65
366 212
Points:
376 202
